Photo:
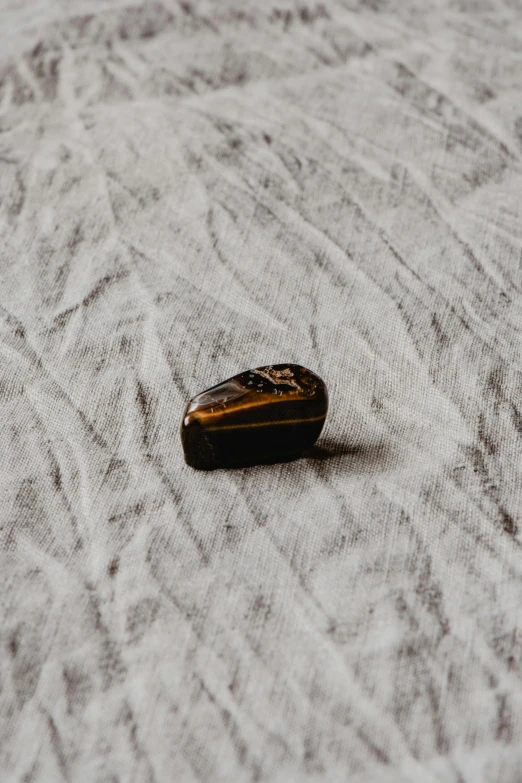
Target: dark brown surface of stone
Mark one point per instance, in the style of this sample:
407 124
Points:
269 414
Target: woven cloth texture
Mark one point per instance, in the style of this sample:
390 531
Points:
190 189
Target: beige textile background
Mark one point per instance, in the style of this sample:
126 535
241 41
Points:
189 189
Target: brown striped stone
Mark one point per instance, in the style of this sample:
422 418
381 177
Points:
269 414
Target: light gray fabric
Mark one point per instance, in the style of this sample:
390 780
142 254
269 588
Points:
189 189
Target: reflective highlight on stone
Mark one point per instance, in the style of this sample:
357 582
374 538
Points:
270 414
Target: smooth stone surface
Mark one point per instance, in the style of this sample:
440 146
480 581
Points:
270 414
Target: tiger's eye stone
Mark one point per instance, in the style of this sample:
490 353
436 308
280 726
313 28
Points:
270 414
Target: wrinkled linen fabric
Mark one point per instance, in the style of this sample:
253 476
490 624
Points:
187 190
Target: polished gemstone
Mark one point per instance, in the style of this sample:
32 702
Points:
270 414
